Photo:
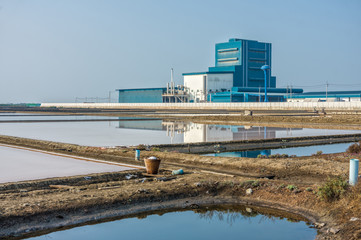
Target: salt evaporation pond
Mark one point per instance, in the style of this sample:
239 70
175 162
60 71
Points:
200 224
28 164
298 151
132 132
45 117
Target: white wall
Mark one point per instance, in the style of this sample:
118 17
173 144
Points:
194 84
215 82
195 132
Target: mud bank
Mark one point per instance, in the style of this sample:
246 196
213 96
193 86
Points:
312 169
349 120
209 147
35 208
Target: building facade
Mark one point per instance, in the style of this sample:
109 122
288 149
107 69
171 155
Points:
238 63
141 95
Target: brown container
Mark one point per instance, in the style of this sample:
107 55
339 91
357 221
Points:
152 165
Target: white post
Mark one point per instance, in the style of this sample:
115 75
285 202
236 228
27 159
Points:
354 164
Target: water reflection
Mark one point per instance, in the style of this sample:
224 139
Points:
140 131
226 222
234 214
296 151
188 132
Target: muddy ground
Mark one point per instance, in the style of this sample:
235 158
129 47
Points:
289 184
331 119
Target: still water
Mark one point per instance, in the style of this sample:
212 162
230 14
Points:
211 224
298 151
28 164
123 132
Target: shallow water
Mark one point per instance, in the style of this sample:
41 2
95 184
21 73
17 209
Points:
211 224
21 164
298 151
45 117
116 133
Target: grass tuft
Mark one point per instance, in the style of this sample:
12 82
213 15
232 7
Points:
333 189
354 148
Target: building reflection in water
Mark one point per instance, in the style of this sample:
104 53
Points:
189 132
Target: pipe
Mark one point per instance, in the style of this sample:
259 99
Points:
137 154
265 86
354 164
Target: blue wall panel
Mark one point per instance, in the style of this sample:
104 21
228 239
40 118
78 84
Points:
141 95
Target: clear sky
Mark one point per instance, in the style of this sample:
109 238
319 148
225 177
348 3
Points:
56 50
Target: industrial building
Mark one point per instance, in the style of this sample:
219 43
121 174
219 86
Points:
330 96
141 95
236 77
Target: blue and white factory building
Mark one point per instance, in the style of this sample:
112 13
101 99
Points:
236 77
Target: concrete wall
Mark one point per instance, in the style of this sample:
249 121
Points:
351 106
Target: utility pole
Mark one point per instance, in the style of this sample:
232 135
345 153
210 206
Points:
171 81
291 91
326 89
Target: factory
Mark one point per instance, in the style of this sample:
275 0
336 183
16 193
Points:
242 73
237 75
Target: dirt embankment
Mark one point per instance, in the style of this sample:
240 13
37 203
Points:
301 169
331 120
38 207
288 184
345 121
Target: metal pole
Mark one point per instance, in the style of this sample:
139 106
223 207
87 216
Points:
326 90
265 68
291 91
265 86
171 80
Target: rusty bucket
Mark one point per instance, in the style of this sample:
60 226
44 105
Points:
152 165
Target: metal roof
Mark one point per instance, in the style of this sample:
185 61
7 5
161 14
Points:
202 73
330 94
140 89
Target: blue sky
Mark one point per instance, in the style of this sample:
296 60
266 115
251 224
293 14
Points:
54 51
